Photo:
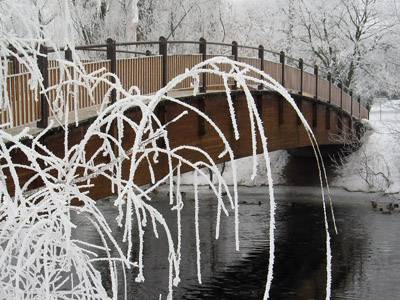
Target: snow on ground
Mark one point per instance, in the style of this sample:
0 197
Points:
244 166
375 166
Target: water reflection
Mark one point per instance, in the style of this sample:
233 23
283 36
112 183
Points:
365 258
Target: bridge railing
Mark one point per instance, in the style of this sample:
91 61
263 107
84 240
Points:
151 72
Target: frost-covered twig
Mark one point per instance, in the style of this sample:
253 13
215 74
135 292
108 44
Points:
43 217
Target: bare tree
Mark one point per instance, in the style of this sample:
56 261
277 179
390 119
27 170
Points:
183 19
347 37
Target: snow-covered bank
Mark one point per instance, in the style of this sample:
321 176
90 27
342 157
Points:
278 158
375 166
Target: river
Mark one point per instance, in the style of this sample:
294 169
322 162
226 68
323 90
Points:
365 251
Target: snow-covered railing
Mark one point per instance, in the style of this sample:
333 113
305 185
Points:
151 72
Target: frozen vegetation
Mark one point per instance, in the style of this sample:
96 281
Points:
375 165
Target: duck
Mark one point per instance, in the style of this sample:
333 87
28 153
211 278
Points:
183 194
385 212
374 204
392 206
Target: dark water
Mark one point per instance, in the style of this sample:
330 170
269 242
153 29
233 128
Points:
366 257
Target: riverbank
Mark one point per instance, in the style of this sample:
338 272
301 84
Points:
375 166
310 194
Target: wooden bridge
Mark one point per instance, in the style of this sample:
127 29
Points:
329 107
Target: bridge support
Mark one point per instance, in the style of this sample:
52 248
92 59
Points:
340 124
328 118
161 112
299 104
259 104
314 115
280 111
201 120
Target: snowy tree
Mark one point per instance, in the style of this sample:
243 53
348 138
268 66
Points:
95 20
349 38
183 20
252 22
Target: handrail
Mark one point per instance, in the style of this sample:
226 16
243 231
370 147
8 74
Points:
183 42
288 64
137 43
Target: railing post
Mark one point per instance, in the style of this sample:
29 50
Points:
203 51
282 61
301 67
340 85
316 81
235 57
261 57
163 51
15 62
68 54
235 51
359 108
112 56
44 104
329 77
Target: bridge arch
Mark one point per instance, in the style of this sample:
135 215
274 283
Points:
281 124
